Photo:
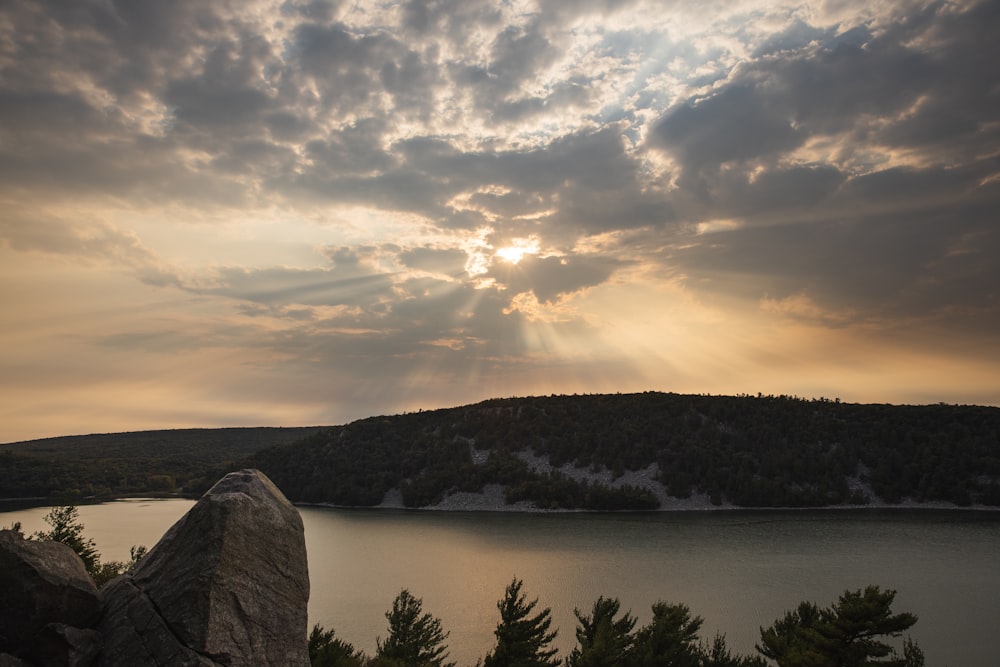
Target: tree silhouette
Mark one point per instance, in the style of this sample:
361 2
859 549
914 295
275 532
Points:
670 639
522 638
415 638
848 634
66 528
602 640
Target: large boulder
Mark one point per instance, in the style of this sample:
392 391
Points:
61 644
228 584
42 583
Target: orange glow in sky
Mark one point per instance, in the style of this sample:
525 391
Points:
291 213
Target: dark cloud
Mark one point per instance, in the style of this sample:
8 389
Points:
354 149
841 169
739 123
551 277
226 95
916 78
928 259
319 11
851 229
453 20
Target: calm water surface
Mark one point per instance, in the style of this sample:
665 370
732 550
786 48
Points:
737 570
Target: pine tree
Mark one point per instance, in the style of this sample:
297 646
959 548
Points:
670 639
522 638
66 528
328 650
415 638
602 640
795 639
856 622
848 634
719 655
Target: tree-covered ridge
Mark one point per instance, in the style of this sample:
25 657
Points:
114 464
749 451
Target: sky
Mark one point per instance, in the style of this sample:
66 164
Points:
246 213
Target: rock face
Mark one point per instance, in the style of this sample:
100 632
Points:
228 584
44 589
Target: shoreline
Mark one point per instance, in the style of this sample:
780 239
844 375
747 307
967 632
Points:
491 500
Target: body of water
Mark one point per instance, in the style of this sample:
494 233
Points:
737 570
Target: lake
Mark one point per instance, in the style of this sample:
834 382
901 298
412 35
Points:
738 570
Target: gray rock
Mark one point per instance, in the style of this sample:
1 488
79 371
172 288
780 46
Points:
61 644
41 583
227 584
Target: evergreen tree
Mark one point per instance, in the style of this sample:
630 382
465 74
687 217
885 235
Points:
326 650
602 640
105 571
912 655
856 622
522 638
415 638
795 639
848 634
670 639
719 655
66 528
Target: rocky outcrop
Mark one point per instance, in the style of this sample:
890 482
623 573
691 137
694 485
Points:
61 644
46 594
228 584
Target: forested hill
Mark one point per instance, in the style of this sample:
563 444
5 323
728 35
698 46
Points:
141 462
762 451
621 451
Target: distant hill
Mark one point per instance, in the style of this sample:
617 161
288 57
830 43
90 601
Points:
115 464
749 451
605 451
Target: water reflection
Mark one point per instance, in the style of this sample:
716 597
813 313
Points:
738 570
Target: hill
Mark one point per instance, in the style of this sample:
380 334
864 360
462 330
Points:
115 464
763 451
610 452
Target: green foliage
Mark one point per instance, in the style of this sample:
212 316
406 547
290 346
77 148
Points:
326 650
749 451
65 527
16 527
105 571
912 655
115 464
848 634
602 640
719 655
763 451
415 638
523 639
670 639
845 635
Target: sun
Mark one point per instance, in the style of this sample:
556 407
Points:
517 250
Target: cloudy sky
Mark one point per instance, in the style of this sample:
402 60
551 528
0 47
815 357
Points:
243 212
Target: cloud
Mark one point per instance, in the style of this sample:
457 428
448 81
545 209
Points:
94 241
332 187
835 143
448 261
551 277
